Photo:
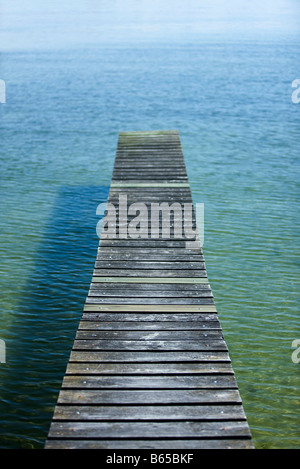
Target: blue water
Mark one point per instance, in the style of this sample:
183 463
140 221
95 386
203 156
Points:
78 73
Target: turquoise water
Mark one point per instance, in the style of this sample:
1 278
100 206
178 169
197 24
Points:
75 78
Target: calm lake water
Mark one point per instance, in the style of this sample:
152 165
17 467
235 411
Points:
78 73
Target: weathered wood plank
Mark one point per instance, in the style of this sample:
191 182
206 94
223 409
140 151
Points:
149 368
135 444
149 356
150 382
141 317
119 397
138 413
149 325
144 253
130 162
144 243
163 345
150 273
162 178
149 184
147 255
174 308
151 280
200 289
137 265
151 300
147 335
97 291
190 429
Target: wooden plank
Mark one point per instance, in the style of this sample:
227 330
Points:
144 255
150 177
149 273
158 345
149 368
149 356
148 184
169 444
144 243
156 334
97 291
149 382
149 325
157 430
168 253
141 317
174 308
200 289
138 413
151 300
136 265
147 308
132 164
178 397
152 280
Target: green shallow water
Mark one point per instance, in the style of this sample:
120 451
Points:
230 98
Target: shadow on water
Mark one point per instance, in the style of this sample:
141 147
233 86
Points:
47 317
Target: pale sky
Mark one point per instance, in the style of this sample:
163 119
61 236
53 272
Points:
27 24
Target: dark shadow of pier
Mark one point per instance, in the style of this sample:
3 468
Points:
47 317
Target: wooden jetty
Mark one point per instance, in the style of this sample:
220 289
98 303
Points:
149 367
